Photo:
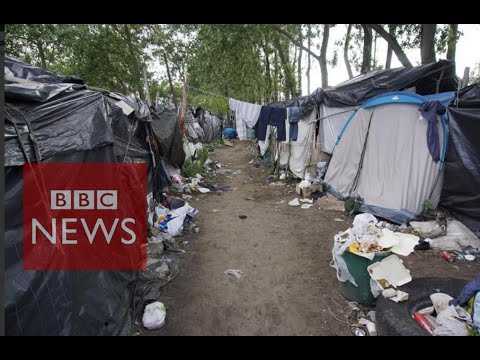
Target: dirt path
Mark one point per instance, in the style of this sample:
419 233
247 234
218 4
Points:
287 287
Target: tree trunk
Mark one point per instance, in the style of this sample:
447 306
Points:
276 79
323 55
172 89
390 39
309 43
137 71
367 49
289 79
299 69
427 43
391 31
268 74
41 53
345 51
452 42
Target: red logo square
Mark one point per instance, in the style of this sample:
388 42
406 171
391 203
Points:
84 216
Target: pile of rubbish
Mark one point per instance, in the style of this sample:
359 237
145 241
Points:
309 191
447 316
167 219
369 236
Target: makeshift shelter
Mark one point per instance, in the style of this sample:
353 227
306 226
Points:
335 105
61 122
211 124
461 185
167 131
382 155
131 123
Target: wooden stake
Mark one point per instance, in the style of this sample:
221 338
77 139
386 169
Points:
147 90
466 77
184 102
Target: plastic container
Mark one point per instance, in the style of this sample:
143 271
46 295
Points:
357 266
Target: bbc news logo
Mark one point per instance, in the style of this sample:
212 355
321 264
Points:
84 216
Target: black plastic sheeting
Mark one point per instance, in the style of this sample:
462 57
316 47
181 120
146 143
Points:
22 70
61 302
166 129
363 87
211 124
71 121
461 184
69 127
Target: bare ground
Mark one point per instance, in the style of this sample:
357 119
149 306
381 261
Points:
287 287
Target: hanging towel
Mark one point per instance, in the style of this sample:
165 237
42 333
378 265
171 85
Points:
429 111
246 114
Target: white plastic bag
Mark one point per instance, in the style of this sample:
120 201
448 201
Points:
154 315
476 311
361 223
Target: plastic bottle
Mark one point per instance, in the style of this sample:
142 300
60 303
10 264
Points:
424 323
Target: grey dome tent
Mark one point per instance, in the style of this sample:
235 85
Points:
382 156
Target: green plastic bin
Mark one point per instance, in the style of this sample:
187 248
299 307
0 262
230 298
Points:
357 266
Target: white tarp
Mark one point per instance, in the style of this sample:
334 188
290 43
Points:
332 121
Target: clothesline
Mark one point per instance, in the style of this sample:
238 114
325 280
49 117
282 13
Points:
208 92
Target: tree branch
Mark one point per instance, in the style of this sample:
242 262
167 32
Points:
402 57
295 41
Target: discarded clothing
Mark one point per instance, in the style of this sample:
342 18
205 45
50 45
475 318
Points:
472 288
263 122
246 114
429 111
293 116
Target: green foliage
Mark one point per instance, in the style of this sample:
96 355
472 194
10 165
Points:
194 167
426 206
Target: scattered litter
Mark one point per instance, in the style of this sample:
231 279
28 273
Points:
186 197
353 306
282 177
243 217
294 202
427 311
196 230
309 201
457 238
371 315
469 257
389 293
226 142
360 332
234 272
278 183
370 326
306 206
154 315
163 271
250 198
440 301
216 210
337 219
280 202
203 190
400 296
251 161
185 243
390 271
